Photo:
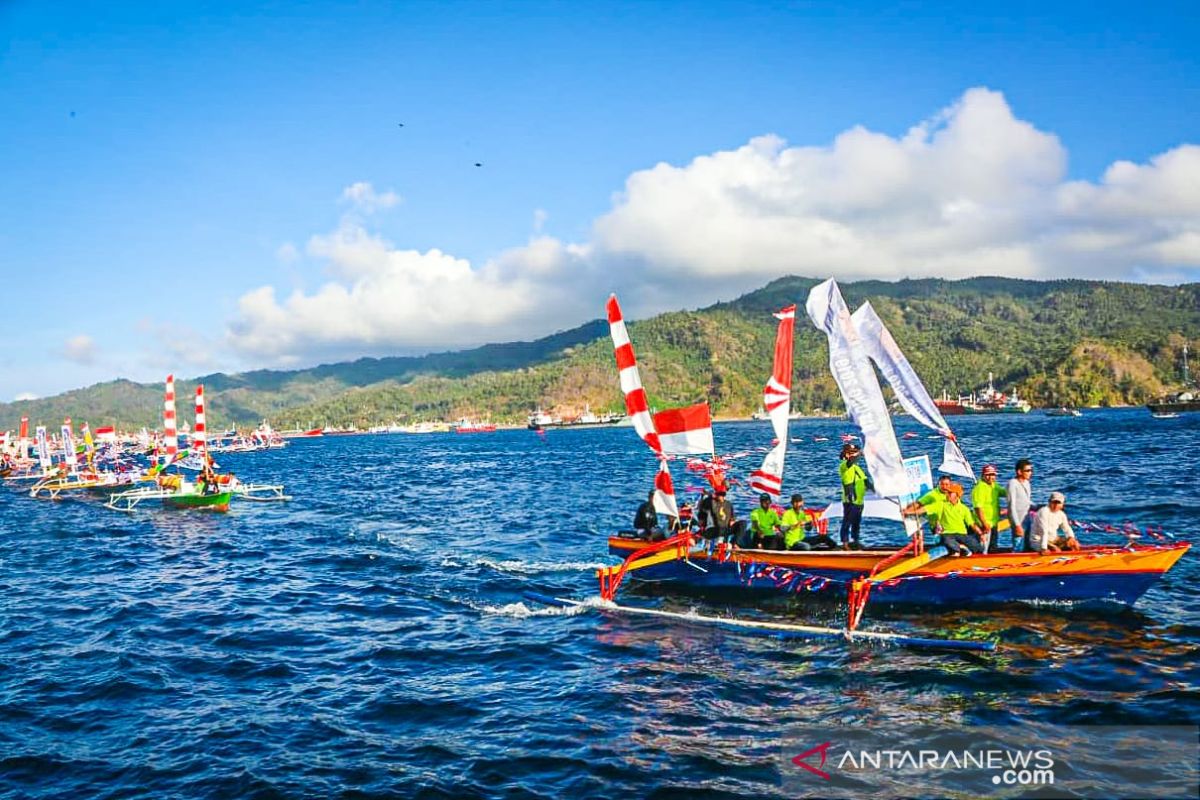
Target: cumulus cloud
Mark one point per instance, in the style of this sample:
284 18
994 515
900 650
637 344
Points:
363 197
80 349
25 396
971 190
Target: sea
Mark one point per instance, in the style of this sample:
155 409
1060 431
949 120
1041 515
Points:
372 638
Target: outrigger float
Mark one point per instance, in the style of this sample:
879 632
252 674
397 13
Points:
908 575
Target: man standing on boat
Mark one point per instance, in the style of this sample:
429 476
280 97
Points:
985 497
1020 503
854 493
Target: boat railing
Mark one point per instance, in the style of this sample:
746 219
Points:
611 577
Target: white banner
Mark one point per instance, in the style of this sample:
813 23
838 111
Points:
68 440
912 394
954 462
883 350
855 377
43 447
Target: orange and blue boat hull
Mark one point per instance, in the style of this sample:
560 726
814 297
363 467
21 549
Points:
1094 574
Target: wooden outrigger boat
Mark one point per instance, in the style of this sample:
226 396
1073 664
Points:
911 574
1096 573
173 492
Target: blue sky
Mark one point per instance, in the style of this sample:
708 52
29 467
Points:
230 187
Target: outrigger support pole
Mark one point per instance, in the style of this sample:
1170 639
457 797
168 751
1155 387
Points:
611 577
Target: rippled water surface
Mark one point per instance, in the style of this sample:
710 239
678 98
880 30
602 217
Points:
370 637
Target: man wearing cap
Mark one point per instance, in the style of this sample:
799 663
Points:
1047 522
723 523
985 497
954 521
1020 503
645 521
764 525
854 493
931 501
797 528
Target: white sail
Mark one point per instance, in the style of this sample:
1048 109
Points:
43 447
851 367
880 345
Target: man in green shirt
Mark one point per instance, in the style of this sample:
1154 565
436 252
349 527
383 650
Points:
764 525
797 528
931 500
854 493
954 520
985 497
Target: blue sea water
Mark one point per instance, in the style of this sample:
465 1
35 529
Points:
369 639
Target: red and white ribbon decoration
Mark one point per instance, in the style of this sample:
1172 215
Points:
638 407
170 438
199 435
777 397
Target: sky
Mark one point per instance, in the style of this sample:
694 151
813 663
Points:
220 187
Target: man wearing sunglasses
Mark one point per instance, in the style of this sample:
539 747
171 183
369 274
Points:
1020 503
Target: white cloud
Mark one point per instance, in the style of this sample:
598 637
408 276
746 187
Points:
287 253
80 349
25 396
363 197
972 190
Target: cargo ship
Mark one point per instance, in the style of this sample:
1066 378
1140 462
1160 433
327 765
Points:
987 401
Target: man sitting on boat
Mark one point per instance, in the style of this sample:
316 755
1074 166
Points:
1047 522
764 525
645 521
797 526
954 520
985 497
931 501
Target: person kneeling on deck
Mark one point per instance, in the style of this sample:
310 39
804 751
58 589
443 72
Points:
854 493
645 521
764 525
954 520
986 499
1047 522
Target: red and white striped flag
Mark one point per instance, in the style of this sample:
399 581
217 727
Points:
777 397
170 437
24 432
638 407
685 431
199 435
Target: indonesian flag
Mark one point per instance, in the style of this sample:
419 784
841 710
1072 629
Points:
664 491
777 396
685 431
106 433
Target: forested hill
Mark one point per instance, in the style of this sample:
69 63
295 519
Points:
1056 342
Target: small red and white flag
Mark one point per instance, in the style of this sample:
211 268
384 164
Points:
685 431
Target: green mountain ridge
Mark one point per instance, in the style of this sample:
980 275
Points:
1062 342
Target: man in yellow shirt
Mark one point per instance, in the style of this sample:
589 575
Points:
985 497
854 493
954 521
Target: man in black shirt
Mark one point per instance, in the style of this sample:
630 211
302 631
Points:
645 521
